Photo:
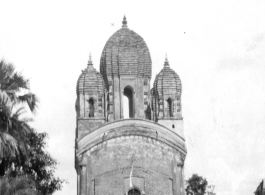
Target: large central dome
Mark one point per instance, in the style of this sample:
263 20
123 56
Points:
125 53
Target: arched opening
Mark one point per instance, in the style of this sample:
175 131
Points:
128 103
169 104
134 192
91 107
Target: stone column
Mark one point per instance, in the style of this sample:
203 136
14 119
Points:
110 110
116 95
122 104
160 107
177 167
180 178
90 175
83 176
78 182
134 104
83 181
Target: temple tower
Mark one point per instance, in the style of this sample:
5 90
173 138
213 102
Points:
129 138
167 99
126 68
90 104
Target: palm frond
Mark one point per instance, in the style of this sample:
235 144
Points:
20 132
13 129
17 82
8 146
5 99
31 99
19 128
26 128
23 148
6 72
26 119
19 112
5 104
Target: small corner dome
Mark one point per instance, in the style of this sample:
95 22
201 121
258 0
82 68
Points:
125 53
167 81
90 81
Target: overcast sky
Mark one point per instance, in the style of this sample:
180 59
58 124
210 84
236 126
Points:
216 47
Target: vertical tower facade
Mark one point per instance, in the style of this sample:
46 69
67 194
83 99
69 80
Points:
167 99
129 137
126 68
90 103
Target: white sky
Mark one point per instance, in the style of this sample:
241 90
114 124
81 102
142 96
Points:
216 47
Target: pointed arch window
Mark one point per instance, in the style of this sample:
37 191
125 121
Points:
128 111
91 107
169 105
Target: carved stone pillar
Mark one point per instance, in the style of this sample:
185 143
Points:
90 176
180 178
110 102
177 177
83 176
160 107
174 107
182 189
78 182
83 180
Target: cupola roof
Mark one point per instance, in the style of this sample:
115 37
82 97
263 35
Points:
167 81
90 80
125 53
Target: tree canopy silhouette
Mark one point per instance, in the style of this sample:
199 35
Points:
196 185
24 161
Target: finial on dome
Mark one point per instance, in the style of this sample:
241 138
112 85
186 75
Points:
90 59
124 22
166 62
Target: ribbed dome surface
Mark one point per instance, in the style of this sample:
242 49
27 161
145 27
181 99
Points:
125 53
90 80
167 81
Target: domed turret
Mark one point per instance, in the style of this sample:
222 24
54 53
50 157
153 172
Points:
167 81
90 93
126 67
167 92
125 53
127 134
90 80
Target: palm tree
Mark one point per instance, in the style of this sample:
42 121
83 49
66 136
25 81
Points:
11 83
13 129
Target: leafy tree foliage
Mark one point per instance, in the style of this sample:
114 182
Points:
12 129
210 190
196 185
20 185
11 83
22 150
38 164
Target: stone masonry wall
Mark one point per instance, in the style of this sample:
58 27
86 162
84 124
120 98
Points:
86 126
113 161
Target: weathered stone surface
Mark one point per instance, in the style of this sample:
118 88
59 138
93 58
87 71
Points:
87 125
115 162
167 82
132 127
125 53
146 151
166 95
90 103
90 81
